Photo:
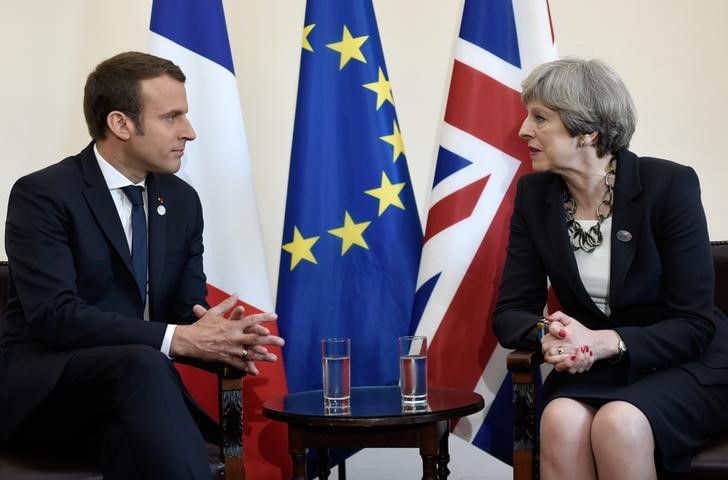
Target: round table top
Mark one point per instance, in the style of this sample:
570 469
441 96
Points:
373 406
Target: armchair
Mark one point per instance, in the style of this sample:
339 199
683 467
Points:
226 460
711 461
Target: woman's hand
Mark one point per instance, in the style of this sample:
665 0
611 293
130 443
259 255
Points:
567 344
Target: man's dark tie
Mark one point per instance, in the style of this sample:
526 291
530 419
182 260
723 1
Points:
138 238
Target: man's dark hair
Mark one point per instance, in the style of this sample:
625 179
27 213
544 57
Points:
115 84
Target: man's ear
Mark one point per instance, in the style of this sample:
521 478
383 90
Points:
120 125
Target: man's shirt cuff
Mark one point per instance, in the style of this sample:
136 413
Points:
167 340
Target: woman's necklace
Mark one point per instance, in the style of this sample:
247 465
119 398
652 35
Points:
592 238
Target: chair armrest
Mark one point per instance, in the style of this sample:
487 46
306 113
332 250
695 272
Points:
523 360
523 365
230 407
219 369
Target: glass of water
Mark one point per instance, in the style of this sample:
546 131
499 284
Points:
413 369
336 363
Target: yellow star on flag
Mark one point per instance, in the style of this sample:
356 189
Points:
349 47
351 233
387 193
306 30
382 88
395 139
300 248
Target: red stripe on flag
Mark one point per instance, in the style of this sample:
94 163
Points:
552 303
464 341
486 109
455 207
202 385
265 455
551 23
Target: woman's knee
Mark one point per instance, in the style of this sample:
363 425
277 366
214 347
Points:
623 423
566 420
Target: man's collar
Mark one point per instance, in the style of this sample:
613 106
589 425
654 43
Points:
113 177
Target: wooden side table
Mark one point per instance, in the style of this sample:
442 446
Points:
376 418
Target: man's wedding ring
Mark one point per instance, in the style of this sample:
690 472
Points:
560 349
246 352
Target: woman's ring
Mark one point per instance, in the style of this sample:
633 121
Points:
245 354
560 349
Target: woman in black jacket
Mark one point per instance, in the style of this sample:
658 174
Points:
639 352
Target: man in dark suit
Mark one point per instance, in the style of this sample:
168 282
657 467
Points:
91 323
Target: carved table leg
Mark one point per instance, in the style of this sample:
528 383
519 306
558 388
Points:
428 451
443 457
299 465
322 463
429 467
296 446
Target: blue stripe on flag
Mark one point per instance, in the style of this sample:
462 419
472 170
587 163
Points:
422 297
490 24
447 164
496 434
192 30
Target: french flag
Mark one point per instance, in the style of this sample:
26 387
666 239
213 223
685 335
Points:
479 160
193 34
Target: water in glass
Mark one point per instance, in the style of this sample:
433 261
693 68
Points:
413 378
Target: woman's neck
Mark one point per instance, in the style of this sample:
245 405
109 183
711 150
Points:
587 186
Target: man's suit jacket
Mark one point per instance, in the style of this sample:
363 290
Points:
71 279
661 279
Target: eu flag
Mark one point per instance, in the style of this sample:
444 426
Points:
352 237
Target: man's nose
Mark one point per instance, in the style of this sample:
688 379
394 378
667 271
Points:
189 132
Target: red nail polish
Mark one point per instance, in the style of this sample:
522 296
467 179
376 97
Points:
586 348
573 357
562 333
591 354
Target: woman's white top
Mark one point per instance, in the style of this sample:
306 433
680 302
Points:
594 267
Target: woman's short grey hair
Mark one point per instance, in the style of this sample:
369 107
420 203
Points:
589 96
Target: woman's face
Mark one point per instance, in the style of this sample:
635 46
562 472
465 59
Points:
551 146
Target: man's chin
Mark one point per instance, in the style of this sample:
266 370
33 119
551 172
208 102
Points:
173 166
168 169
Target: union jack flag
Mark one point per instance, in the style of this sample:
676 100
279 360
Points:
479 161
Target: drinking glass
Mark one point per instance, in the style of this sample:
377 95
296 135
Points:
336 363
413 369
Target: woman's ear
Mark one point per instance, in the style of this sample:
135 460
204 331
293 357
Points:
587 139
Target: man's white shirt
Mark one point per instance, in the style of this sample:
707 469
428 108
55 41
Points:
115 181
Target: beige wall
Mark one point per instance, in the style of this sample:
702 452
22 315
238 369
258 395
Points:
671 53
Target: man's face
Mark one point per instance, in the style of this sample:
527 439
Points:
159 146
